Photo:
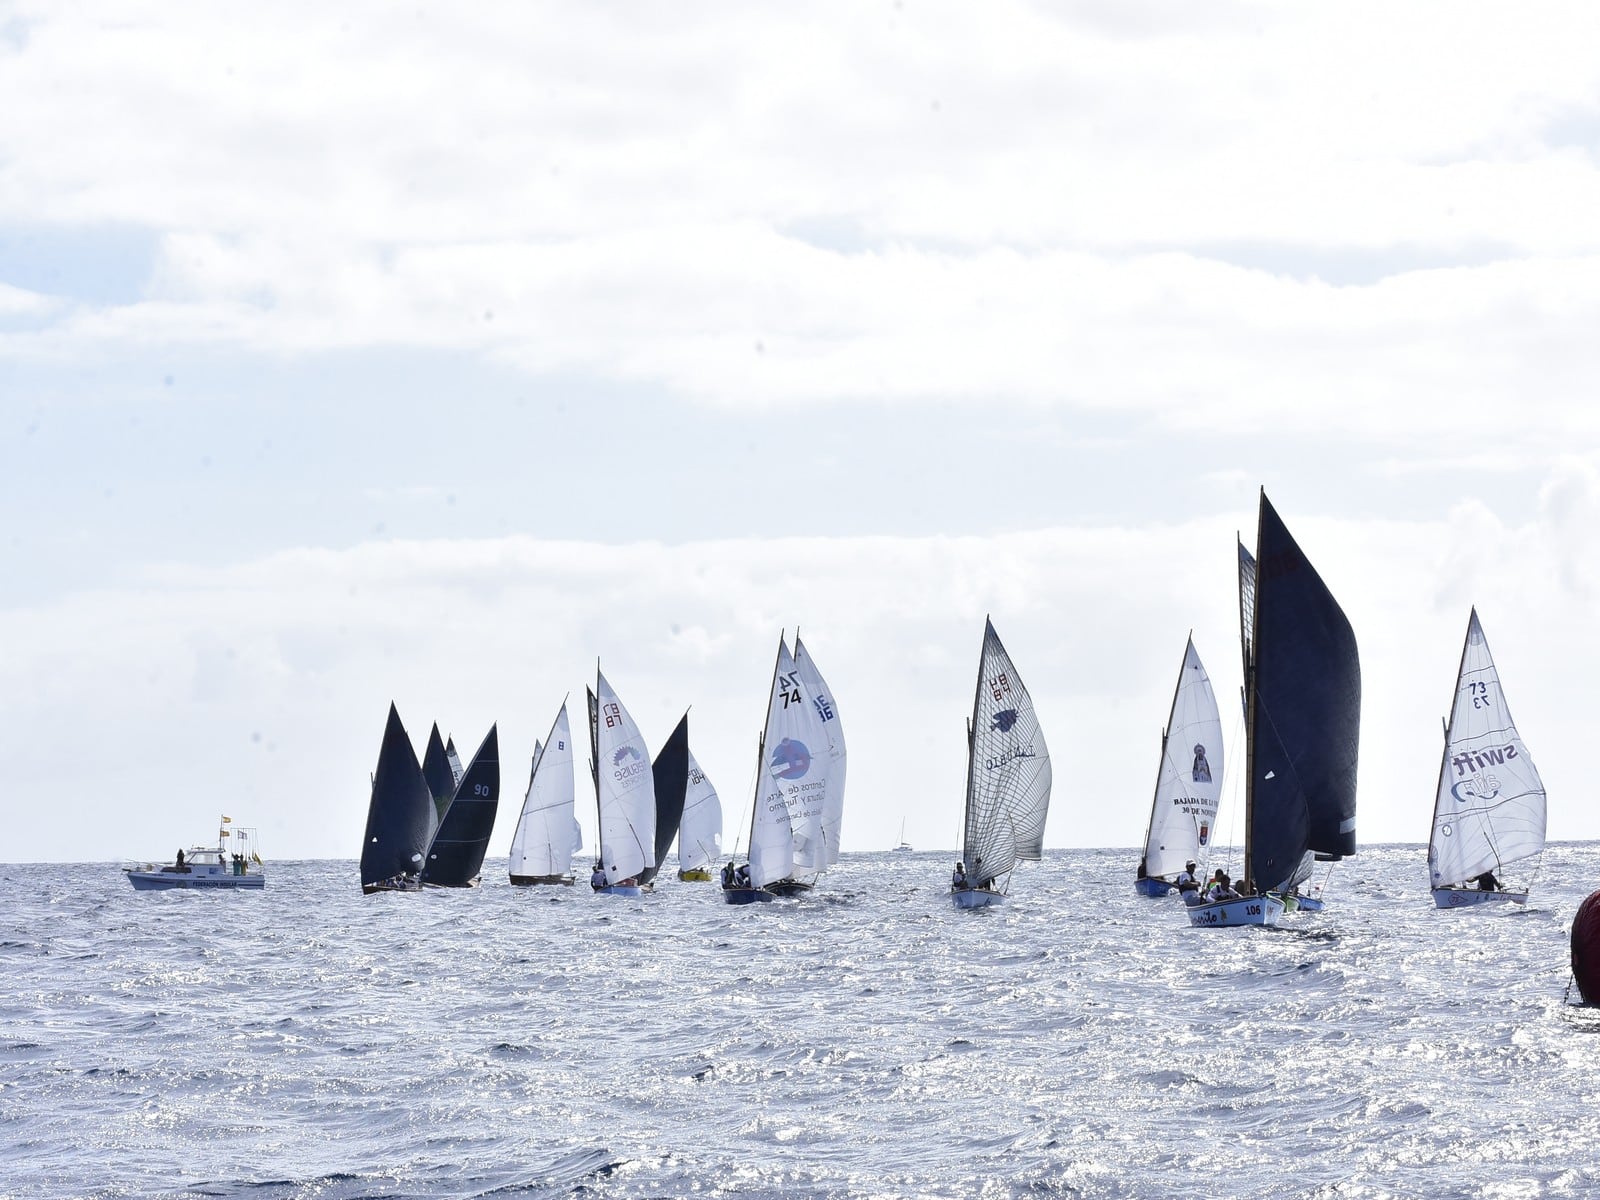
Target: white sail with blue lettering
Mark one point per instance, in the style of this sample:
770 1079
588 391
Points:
1008 773
700 830
786 834
1489 808
625 789
1183 812
827 711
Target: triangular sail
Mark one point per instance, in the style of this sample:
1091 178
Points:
1008 777
1183 813
453 759
548 834
455 856
670 777
436 770
401 818
1304 713
700 831
828 713
626 790
1490 806
785 833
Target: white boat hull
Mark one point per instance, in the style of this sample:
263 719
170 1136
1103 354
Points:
976 897
1472 897
1253 910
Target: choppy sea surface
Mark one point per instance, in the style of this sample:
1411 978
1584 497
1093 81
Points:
307 1041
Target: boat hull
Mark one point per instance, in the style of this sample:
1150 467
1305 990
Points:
738 895
165 881
1225 914
1153 887
789 889
695 875
1472 897
976 898
536 880
1307 904
620 889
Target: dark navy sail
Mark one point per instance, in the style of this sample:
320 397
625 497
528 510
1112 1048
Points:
400 818
456 856
1303 692
671 775
436 770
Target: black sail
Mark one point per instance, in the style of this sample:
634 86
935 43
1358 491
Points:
671 775
436 770
400 817
1304 698
456 856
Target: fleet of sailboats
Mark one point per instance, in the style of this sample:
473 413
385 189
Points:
1008 781
1489 808
429 822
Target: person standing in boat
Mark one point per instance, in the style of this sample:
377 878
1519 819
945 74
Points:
597 879
958 878
1488 883
727 875
180 858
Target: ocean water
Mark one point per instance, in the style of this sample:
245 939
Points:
307 1041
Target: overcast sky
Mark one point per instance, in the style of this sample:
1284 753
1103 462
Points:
351 354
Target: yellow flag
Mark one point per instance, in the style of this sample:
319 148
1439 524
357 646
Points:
227 820
257 858
224 833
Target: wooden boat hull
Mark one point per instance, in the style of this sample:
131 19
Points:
1224 914
976 897
738 895
1154 887
695 875
1449 897
534 880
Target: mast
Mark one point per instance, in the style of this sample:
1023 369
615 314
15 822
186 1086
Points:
1246 649
1166 732
972 725
594 767
1444 753
761 744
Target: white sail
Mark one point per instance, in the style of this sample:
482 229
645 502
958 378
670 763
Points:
1008 774
455 761
700 830
1183 813
548 834
822 700
1490 806
626 787
786 832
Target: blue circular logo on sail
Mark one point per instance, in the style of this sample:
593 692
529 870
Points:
791 760
1004 720
1475 787
623 754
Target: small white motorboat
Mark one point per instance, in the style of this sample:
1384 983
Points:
206 866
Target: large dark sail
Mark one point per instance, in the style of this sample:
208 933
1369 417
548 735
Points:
1304 700
671 777
456 856
436 770
400 818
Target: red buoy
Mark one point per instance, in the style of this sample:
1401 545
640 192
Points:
1586 949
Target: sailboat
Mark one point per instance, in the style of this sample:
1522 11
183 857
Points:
1008 781
700 831
1489 808
1302 691
904 847
1183 811
547 833
455 855
625 794
670 777
786 818
401 817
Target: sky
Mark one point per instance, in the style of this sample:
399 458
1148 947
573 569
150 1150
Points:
351 355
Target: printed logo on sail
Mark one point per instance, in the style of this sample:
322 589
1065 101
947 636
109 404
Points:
1201 771
1476 787
624 752
1004 720
627 762
791 760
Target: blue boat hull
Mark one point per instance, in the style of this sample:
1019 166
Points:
976 898
620 889
155 881
1153 887
746 896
